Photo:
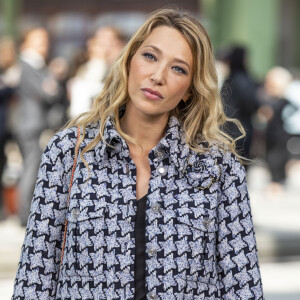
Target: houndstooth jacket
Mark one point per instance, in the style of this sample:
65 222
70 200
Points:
200 242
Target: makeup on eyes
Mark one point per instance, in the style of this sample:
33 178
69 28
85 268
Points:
152 57
156 49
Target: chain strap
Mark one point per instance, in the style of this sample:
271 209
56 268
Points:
70 186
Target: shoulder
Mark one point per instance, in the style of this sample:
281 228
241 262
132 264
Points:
224 155
227 161
61 148
64 142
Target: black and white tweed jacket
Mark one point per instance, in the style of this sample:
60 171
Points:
200 240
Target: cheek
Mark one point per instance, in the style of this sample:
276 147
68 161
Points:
181 88
134 73
130 85
138 73
131 79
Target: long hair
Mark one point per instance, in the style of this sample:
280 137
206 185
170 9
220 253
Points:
201 115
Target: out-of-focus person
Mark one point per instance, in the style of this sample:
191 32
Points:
273 104
111 40
291 116
37 91
9 77
222 69
102 50
57 115
9 67
239 93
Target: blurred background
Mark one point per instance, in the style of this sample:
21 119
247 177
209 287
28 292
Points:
55 55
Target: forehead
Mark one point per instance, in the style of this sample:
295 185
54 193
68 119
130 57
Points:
170 41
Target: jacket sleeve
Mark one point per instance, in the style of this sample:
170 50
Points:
237 261
32 85
37 272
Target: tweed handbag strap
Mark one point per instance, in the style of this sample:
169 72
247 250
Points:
70 186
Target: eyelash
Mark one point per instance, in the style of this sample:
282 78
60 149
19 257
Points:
149 56
180 70
153 58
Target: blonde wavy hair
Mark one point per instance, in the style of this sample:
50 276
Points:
202 114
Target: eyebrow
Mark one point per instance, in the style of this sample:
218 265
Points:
176 59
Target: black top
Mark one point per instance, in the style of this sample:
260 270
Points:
140 265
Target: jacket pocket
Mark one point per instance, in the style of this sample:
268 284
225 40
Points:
196 248
85 242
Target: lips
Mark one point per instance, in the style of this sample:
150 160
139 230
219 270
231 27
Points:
151 94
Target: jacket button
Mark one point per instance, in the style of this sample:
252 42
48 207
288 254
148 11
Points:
75 213
152 252
155 207
152 296
206 222
160 154
162 171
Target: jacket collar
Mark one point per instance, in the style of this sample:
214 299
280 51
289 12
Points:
173 143
111 141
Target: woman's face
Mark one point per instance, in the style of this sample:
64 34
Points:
38 39
160 73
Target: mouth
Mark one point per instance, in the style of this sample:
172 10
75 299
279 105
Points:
153 95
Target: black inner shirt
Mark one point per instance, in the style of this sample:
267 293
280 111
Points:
140 259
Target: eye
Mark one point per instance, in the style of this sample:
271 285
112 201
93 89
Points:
149 56
179 70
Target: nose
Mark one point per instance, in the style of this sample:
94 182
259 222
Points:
158 77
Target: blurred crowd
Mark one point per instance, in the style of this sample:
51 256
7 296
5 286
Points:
40 93
269 112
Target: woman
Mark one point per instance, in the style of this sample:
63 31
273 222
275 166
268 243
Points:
153 135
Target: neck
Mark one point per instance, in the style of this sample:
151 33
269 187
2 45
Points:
146 130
